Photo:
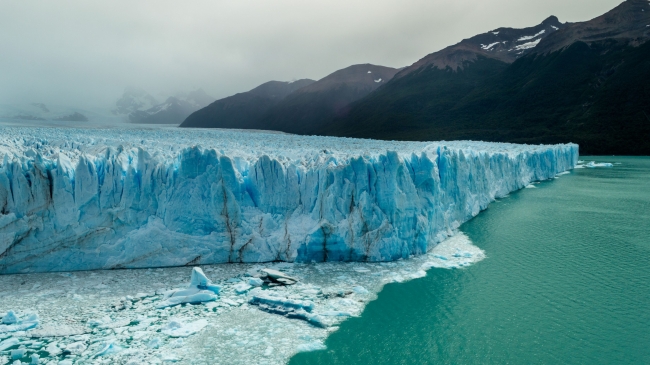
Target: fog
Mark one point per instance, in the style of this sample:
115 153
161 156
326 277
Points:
84 53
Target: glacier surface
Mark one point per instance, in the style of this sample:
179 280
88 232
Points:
82 199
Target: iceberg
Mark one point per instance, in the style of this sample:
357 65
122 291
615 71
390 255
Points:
12 323
84 199
200 290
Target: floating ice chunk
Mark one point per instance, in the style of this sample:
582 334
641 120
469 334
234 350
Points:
282 302
279 277
77 347
360 290
108 349
378 80
17 354
531 186
241 288
10 318
269 350
563 173
178 328
200 281
200 290
65 362
444 258
255 282
311 346
52 349
36 360
154 343
14 323
593 164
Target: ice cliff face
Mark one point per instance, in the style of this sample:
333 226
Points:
75 199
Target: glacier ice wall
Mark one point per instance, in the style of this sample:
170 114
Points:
79 199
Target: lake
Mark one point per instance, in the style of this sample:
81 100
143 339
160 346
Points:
566 280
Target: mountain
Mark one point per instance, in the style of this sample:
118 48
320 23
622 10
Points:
503 44
244 110
584 82
627 23
132 100
311 107
74 117
174 110
137 106
40 112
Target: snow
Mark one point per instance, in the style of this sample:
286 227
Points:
170 197
554 27
487 47
528 45
527 38
495 33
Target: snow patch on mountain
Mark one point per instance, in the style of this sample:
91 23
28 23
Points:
527 38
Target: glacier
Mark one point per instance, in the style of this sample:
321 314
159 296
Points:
106 198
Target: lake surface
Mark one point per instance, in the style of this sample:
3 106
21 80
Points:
566 281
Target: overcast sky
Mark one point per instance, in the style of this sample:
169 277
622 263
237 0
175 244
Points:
84 53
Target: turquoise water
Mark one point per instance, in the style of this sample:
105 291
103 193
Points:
566 281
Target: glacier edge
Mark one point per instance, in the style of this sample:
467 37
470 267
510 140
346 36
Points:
75 199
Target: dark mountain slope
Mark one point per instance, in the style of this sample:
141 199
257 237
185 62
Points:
596 95
243 110
309 108
593 92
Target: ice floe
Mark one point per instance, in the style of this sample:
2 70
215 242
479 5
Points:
118 319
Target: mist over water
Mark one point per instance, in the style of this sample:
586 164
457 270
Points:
565 281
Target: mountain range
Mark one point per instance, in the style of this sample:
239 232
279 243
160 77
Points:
556 82
137 106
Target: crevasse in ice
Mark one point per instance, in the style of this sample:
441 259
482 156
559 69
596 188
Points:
79 199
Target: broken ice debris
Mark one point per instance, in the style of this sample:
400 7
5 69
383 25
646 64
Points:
279 277
201 290
8 343
108 349
9 318
311 346
255 282
593 164
290 308
12 323
178 328
241 288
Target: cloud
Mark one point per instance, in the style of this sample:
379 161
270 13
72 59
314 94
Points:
76 52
